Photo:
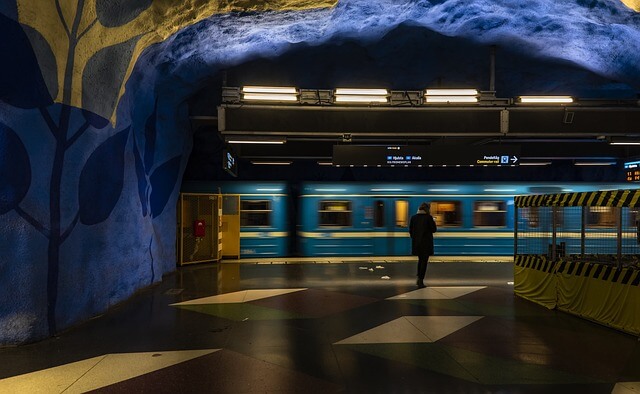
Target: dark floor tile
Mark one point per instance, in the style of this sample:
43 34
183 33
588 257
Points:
314 303
224 372
286 344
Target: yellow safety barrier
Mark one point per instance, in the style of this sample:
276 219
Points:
595 291
601 293
534 279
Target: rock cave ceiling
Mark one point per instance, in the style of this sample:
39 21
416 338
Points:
585 48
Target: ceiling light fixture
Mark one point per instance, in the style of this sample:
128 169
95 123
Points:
623 141
269 93
256 140
362 96
535 163
450 96
595 163
451 92
545 99
272 163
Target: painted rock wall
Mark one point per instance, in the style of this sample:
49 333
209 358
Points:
90 168
94 132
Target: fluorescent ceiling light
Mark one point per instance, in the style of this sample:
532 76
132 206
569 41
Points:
499 190
255 140
361 99
269 97
269 89
355 95
595 163
325 163
546 99
269 93
386 190
535 163
451 92
269 190
624 143
272 163
331 190
450 99
362 92
443 190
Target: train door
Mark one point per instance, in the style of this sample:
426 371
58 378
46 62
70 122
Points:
390 221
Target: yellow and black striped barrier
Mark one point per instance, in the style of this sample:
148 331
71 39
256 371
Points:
535 279
608 198
600 292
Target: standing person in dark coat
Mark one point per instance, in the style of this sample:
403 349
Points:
421 229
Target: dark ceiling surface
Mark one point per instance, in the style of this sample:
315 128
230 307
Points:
415 58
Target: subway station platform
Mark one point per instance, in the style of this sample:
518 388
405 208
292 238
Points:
338 326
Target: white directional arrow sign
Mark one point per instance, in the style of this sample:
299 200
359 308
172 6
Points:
514 159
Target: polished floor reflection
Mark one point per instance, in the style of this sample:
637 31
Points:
336 327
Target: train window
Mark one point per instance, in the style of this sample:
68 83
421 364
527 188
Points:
402 213
535 216
489 214
255 213
633 217
601 217
447 213
378 214
335 213
532 214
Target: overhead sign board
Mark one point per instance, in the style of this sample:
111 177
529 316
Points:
423 155
632 171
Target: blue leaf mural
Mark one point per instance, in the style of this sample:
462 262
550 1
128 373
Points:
163 180
150 138
21 82
95 120
15 170
142 179
101 179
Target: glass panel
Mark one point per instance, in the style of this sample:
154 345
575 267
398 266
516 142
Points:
335 213
255 213
447 213
230 205
489 214
402 213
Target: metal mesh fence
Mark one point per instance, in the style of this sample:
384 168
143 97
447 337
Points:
605 234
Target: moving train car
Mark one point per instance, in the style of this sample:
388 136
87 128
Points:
371 219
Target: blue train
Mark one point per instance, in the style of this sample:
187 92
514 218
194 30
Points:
312 219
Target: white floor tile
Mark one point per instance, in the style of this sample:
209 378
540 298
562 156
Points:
51 380
239 296
412 329
396 331
437 293
626 388
253 295
96 372
438 327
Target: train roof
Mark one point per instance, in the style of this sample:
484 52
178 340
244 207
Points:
399 188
